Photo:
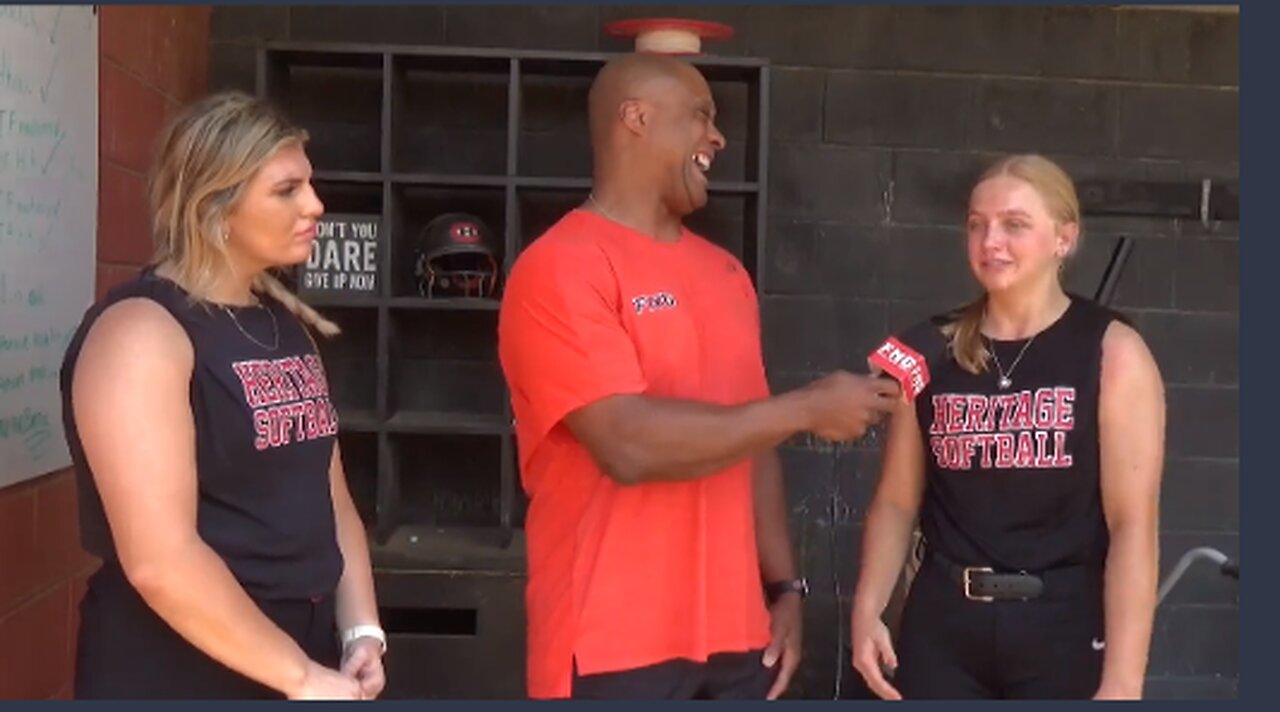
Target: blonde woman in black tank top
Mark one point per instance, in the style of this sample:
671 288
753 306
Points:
1033 462
204 442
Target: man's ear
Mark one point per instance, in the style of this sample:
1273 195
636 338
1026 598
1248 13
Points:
634 114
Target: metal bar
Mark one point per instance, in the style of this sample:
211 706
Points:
1111 277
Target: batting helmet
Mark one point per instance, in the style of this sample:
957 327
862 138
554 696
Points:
455 257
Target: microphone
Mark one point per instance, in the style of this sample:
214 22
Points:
905 357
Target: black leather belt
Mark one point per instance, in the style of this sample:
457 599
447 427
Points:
984 584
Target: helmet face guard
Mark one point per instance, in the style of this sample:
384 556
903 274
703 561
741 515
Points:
457 275
455 258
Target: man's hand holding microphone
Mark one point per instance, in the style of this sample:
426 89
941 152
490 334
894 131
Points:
841 406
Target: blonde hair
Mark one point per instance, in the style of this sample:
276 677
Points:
205 158
1057 190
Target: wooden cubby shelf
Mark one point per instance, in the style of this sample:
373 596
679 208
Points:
408 133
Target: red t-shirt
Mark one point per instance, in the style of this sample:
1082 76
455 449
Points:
623 577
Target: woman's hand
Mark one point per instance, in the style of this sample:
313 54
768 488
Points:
873 648
322 683
362 660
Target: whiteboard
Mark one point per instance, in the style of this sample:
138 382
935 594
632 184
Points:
48 220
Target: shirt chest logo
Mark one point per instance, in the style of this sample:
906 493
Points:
649 303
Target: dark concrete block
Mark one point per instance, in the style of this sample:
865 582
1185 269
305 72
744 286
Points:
381 24
807 476
795 106
1034 115
1196 641
232 66
1147 279
898 110
799 334
1176 122
1085 169
854 261
827 36
987 39
1216 229
860 327
1195 348
558 27
905 314
857 474
1079 42
1143 228
1217 171
831 183
1208 274
1181 47
793 258
1203 422
923 263
249 22
1201 495
827 258
932 187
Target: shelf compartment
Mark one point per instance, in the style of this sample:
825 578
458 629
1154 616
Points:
447 480
446 362
449 115
350 362
344 135
360 463
413 207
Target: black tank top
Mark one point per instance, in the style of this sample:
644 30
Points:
1013 473
264 436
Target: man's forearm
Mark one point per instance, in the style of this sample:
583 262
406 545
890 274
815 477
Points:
773 539
659 439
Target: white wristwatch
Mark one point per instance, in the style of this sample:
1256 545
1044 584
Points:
356 632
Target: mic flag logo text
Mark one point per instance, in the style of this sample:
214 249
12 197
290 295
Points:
904 364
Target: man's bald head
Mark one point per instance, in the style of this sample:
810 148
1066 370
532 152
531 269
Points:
641 76
653 131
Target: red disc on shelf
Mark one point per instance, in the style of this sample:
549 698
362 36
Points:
669 35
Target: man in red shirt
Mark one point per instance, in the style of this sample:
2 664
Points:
658 555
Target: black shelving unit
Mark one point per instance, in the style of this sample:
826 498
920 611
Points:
411 132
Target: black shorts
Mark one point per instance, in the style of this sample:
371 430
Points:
950 647
725 676
126 651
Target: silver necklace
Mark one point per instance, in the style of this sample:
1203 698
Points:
1006 377
591 198
275 327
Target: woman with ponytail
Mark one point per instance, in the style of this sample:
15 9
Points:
1032 461
198 416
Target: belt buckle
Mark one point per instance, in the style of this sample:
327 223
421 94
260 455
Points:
968 582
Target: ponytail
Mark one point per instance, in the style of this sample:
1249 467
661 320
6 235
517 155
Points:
964 336
272 286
